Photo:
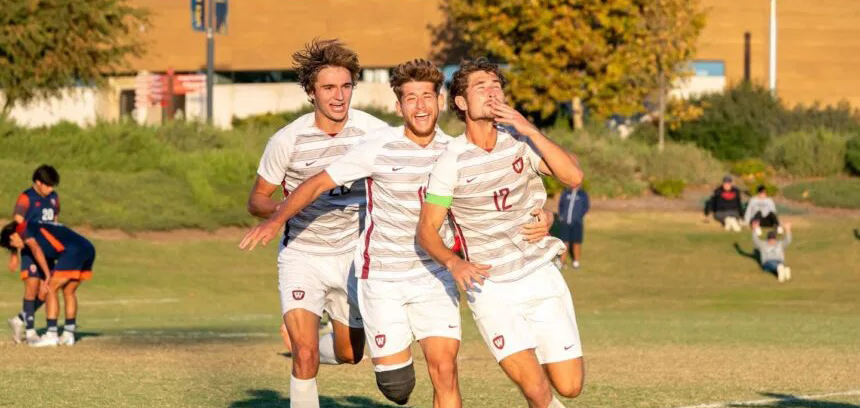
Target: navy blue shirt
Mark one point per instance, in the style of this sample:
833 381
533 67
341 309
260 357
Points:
34 207
573 205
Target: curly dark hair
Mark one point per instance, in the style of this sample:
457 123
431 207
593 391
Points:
319 54
417 70
460 81
6 235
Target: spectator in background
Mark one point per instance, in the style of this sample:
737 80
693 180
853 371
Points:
725 204
572 208
772 252
761 210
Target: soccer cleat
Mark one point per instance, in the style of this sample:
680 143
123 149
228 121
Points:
17 328
780 230
758 231
31 336
787 273
67 338
780 273
49 339
575 264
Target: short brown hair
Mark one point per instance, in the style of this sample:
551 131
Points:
319 54
417 70
460 81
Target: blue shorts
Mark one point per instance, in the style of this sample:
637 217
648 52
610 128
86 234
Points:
29 268
572 232
76 262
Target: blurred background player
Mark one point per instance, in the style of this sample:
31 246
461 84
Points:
761 211
72 256
726 206
572 207
37 203
490 179
772 252
317 252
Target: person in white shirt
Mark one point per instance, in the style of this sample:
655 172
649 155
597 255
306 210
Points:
761 211
316 254
488 180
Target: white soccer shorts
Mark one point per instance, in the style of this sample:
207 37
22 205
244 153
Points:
397 312
319 282
535 311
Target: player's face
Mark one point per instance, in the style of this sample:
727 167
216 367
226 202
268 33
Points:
332 93
727 186
42 189
419 106
483 88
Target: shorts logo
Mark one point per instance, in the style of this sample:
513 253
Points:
499 342
380 340
298 294
33 268
518 165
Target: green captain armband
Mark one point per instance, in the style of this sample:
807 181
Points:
443 201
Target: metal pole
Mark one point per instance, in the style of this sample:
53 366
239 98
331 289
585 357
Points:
772 46
210 58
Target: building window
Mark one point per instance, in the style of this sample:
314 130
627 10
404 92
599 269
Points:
126 103
709 68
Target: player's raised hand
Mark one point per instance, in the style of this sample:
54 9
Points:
261 234
467 274
507 115
535 231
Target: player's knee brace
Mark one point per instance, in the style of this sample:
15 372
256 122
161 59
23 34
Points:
396 384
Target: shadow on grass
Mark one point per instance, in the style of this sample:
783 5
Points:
83 335
791 401
856 233
274 399
754 255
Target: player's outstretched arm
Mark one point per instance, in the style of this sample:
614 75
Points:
260 203
466 274
556 161
303 196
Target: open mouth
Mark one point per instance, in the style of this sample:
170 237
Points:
338 107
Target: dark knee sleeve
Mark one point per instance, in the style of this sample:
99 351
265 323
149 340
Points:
397 385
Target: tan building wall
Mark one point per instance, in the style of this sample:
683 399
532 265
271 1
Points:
818 46
262 34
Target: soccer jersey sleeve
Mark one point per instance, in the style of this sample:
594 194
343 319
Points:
443 180
21 205
356 164
534 156
276 158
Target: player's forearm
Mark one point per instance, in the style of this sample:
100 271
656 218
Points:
39 257
260 205
564 165
302 197
431 241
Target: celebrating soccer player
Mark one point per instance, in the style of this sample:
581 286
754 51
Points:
489 180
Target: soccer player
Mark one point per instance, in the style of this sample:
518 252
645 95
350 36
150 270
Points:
318 247
72 256
37 203
489 179
404 295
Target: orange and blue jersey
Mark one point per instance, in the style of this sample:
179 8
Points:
72 255
33 207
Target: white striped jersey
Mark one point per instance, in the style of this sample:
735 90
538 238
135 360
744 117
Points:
300 150
396 170
492 196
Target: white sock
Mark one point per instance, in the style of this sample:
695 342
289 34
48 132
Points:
303 393
327 355
555 403
391 367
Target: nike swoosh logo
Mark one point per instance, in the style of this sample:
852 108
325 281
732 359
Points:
568 347
396 168
471 179
310 162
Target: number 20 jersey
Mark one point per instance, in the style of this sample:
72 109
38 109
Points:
493 194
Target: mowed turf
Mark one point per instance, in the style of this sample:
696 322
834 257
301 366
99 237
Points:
670 311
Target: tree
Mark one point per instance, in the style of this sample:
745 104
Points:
48 45
592 52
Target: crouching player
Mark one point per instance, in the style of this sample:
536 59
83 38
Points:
73 257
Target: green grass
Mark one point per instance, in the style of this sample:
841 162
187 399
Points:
841 193
670 314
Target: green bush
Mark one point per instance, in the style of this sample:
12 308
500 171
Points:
669 188
684 162
852 154
817 152
750 168
841 193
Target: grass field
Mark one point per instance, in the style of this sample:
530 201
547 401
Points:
671 314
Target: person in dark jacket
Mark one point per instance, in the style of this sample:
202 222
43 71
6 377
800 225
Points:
725 204
572 208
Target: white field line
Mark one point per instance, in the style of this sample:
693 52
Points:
110 302
772 400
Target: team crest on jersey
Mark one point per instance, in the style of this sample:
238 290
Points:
518 165
499 342
38 204
380 340
54 202
298 294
